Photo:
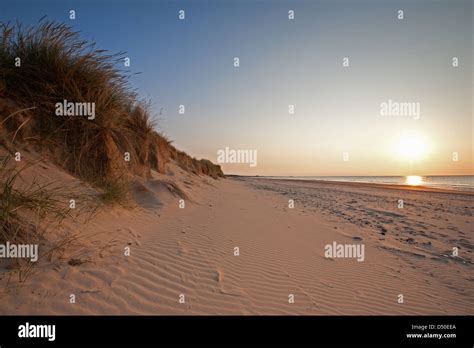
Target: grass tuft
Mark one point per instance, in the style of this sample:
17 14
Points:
114 192
57 65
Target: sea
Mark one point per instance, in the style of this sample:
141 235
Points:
451 182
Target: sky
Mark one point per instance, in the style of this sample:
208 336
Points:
337 127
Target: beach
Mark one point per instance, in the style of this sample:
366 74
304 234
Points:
238 248
225 170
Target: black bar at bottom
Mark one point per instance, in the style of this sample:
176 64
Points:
289 330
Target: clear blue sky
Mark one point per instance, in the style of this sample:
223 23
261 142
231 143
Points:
296 62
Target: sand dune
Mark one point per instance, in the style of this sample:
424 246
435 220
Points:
190 252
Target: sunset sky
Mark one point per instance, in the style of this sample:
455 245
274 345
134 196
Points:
298 62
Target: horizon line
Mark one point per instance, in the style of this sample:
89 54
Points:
341 176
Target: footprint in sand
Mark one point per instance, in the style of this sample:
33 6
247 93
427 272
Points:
219 278
182 249
135 236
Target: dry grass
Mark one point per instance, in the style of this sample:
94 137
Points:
23 208
114 191
202 166
29 209
57 65
34 199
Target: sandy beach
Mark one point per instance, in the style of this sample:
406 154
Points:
248 172
184 260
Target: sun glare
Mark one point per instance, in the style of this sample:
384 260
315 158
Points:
413 180
411 146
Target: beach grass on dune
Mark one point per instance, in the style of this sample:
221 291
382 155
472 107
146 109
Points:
56 65
33 199
46 64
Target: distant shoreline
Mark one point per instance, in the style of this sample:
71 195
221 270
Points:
418 188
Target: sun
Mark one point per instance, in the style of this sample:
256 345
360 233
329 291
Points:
414 180
412 146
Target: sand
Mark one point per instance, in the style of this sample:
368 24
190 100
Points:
184 262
